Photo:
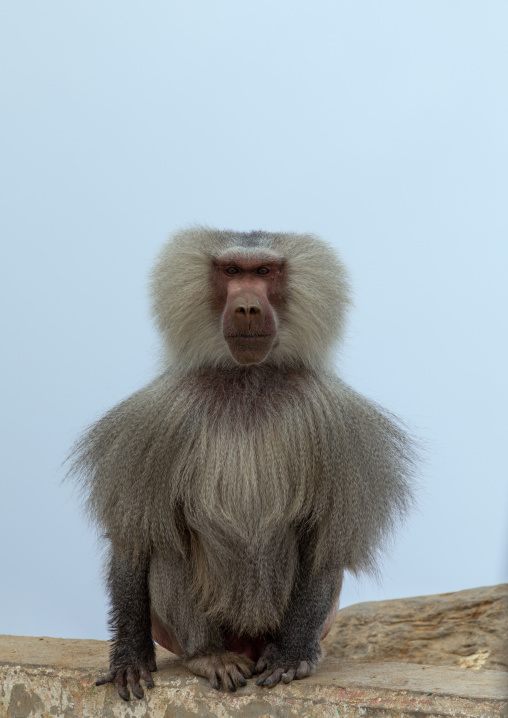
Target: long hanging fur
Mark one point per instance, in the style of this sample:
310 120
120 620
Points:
230 466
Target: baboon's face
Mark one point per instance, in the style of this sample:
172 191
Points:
248 292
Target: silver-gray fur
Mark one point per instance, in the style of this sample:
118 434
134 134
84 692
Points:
247 490
317 291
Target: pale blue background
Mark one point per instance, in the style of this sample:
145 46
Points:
382 126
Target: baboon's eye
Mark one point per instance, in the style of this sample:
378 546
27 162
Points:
263 270
232 270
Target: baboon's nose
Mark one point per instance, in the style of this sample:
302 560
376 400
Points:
246 310
246 306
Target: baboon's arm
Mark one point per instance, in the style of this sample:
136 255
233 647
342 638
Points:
295 650
132 654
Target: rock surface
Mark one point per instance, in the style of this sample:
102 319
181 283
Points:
467 629
43 677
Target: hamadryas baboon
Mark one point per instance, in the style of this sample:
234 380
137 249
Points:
237 487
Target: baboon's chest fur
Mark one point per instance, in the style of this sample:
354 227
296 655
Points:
232 468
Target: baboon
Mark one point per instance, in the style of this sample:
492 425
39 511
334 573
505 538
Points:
236 488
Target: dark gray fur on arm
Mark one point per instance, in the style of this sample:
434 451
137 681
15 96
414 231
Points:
295 650
132 653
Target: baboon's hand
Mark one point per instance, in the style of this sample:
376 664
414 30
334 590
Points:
227 670
277 665
125 677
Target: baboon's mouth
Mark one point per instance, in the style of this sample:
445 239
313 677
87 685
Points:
250 348
249 336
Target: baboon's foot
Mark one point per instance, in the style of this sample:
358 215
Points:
227 670
277 665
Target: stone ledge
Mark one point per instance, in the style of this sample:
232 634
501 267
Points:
465 629
42 677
